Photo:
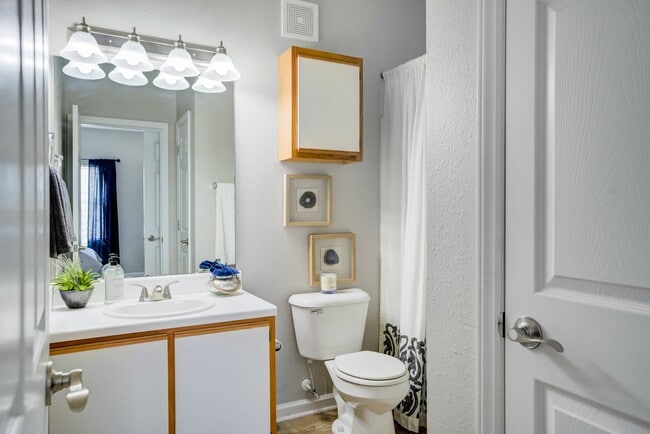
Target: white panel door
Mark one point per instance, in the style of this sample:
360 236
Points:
151 205
185 246
128 391
223 382
578 214
23 218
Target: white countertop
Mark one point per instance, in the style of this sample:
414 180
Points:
91 322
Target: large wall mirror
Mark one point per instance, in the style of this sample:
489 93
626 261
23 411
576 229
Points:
165 159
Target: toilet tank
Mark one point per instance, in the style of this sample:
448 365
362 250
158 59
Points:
327 325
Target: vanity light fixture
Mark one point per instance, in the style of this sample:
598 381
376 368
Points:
132 55
179 61
170 82
82 46
84 71
205 85
127 77
135 54
221 67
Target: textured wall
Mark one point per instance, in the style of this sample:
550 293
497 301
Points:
385 33
452 214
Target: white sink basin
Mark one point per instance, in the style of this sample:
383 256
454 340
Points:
157 309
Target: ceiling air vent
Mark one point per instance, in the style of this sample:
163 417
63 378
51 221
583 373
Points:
300 20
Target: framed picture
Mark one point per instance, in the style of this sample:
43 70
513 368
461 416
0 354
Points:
307 200
332 253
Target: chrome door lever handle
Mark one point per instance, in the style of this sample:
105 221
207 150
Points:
528 332
152 238
77 395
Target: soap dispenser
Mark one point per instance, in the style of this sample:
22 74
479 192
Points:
113 279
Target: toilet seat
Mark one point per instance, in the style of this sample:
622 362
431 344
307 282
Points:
368 368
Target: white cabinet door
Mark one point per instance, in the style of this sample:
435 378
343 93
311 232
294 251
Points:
223 382
578 214
128 391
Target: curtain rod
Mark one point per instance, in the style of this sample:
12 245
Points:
111 159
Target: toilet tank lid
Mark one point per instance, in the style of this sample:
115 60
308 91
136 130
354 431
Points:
341 297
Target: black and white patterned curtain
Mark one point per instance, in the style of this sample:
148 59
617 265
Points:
411 412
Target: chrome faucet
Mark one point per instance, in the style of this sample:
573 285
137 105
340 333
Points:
159 292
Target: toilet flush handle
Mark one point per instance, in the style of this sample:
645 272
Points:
317 311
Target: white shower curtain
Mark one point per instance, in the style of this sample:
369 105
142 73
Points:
403 232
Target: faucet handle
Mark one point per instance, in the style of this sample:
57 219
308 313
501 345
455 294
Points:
166 293
144 294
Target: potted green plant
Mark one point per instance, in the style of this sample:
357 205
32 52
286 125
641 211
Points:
74 283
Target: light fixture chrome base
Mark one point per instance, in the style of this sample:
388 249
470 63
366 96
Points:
157 48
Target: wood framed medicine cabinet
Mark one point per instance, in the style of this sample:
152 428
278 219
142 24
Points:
320 106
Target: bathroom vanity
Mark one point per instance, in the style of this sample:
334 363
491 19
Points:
209 371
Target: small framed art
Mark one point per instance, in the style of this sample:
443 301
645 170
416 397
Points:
307 200
332 253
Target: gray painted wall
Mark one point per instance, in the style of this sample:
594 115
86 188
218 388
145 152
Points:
452 167
385 33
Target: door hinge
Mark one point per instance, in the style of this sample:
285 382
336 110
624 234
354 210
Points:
501 324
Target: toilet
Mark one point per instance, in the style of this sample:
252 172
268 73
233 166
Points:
367 385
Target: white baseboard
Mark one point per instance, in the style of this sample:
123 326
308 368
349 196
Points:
305 407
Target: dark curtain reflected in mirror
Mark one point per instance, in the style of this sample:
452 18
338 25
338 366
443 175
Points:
103 227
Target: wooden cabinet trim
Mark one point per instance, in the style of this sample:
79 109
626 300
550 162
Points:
272 379
220 328
88 344
171 383
57 348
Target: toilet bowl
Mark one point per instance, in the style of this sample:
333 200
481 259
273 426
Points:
367 386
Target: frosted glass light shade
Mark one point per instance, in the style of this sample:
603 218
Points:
84 71
82 47
206 85
133 56
179 63
127 77
170 82
221 68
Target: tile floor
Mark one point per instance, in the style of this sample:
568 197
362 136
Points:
321 424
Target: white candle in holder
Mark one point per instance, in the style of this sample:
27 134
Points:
328 283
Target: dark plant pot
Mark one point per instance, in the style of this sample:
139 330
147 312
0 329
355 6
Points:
76 299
